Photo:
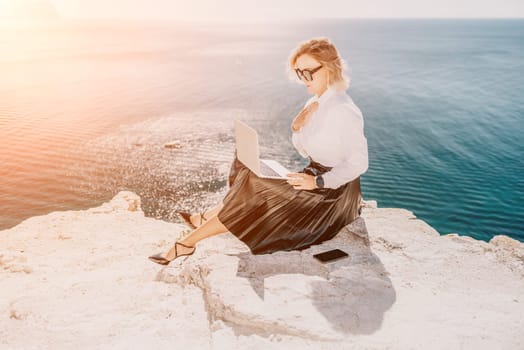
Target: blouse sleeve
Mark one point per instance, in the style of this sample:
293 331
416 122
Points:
298 146
347 127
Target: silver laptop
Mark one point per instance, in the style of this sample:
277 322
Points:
248 153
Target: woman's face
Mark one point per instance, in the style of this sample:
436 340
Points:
320 78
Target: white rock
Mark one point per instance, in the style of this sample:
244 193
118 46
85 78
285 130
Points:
369 204
82 279
173 144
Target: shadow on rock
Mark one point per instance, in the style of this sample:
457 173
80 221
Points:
352 293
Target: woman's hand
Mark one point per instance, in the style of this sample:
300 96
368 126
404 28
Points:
303 117
301 181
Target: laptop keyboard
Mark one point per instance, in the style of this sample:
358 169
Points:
266 170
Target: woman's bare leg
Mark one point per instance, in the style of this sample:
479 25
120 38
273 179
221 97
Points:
195 218
214 211
210 228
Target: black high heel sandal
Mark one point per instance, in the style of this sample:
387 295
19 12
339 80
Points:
159 259
187 218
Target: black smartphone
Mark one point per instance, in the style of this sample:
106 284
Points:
330 255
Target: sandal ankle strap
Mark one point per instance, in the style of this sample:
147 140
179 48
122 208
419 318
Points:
202 217
182 244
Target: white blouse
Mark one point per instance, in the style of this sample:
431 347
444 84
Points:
334 137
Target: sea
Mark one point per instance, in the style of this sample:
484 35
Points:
88 106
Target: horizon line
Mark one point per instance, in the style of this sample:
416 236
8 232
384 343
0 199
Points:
162 20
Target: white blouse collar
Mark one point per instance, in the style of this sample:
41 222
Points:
325 96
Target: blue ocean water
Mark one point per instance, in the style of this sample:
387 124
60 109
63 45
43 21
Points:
86 107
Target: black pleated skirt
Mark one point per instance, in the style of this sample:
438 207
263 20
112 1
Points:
269 215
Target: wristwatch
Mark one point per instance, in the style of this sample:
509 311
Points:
319 180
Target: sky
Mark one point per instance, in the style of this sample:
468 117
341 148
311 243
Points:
251 10
285 9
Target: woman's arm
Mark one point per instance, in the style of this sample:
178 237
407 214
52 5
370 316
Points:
347 125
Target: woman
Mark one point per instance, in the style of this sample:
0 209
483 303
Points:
313 205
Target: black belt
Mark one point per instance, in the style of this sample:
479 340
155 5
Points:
315 168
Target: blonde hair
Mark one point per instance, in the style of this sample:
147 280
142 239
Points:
325 52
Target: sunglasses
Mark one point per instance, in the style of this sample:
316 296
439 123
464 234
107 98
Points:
306 73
